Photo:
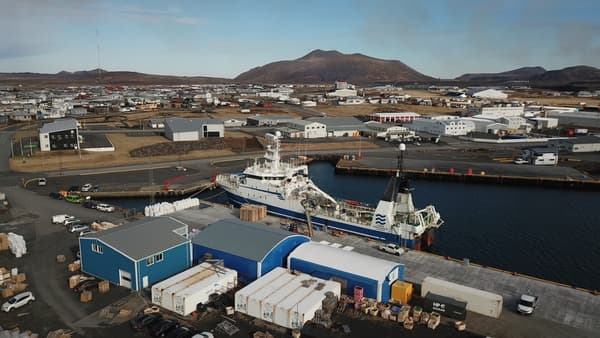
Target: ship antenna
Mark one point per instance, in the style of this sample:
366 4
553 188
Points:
400 174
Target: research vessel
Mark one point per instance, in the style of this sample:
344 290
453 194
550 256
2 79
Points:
288 192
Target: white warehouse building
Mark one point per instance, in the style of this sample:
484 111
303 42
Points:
309 129
449 127
180 129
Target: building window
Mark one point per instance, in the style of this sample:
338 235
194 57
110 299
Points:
158 257
150 261
97 248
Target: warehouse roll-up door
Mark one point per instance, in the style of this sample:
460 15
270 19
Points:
125 279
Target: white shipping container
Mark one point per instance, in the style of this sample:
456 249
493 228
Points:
241 297
185 301
305 310
168 295
255 300
483 302
281 311
268 304
158 288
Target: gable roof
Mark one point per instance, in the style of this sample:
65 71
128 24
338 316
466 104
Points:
244 239
59 125
143 238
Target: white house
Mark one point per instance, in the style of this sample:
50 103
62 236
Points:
309 129
350 100
59 135
180 129
450 127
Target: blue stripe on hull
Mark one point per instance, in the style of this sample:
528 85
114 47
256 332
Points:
285 213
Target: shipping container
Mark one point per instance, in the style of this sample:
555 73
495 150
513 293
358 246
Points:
402 292
483 302
241 297
255 300
269 303
186 293
446 306
284 298
306 309
157 289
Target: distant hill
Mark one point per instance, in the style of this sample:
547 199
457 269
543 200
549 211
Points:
577 76
321 66
524 73
102 77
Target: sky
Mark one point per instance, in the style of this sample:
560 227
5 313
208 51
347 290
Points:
224 38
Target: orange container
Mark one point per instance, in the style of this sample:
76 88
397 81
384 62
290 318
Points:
402 292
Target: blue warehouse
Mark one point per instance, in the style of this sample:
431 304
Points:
251 249
138 254
349 268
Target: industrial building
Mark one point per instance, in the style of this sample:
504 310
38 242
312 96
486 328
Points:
138 254
449 127
544 122
285 298
343 89
307 129
388 131
350 268
267 121
497 111
541 155
489 93
340 126
180 129
250 249
485 125
59 135
394 117
514 122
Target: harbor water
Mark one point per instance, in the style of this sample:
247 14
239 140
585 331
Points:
547 233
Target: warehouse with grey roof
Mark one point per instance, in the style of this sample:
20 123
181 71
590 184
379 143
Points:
251 249
180 129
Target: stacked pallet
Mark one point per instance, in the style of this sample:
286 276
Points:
253 213
3 241
11 282
102 226
76 265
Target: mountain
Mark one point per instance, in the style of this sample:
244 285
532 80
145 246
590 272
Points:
524 73
576 74
574 77
102 77
321 66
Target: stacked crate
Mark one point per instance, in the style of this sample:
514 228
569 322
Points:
11 282
3 241
253 213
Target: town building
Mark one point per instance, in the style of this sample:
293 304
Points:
492 94
394 117
267 121
59 135
343 89
180 129
388 132
448 127
340 126
138 254
307 129
249 248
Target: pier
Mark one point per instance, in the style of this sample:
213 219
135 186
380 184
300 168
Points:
557 177
156 191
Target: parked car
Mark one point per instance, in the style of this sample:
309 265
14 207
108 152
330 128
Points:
17 301
392 248
86 187
162 327
204 334
180 168
105 207
88 284
60 219
55 195
86 232
71 221
78 228
96 188
527 304
143 320
42 182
